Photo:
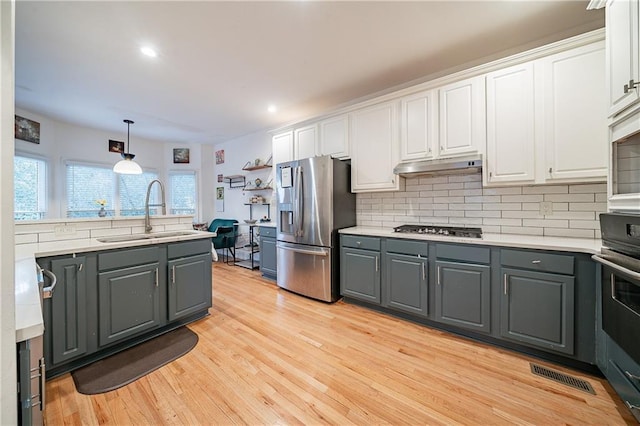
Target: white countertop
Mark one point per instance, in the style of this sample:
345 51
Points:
581 245
29 321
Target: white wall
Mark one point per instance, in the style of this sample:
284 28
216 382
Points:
60 141
8 404
237 153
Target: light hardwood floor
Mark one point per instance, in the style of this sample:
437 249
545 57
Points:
267 356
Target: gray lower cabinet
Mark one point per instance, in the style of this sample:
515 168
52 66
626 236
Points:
186 292
67 309
268 260
128 302
623 373
463 295
537 309
406 275
360 268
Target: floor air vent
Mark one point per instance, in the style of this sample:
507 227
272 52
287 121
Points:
562 378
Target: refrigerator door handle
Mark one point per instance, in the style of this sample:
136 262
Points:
311 251
299 201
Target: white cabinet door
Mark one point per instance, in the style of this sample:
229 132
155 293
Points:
282 147
334 137
575 114
510 125
374 151
418 126
623 53
462 117
304 142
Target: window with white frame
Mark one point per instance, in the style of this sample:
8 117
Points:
89 184
29 188
183 191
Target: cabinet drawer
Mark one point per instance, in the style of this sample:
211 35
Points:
189 248
538 261
367 243
129 257
408 247
268 231
463 252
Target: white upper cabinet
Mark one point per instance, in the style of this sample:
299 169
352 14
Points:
418 126
305 142
374 150
334 137
462 117
510 125
282 147
575 114
623 54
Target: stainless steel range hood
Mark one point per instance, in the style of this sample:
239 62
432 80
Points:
442 166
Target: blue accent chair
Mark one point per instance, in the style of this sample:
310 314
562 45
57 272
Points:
227 230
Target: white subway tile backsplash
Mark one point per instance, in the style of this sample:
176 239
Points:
575 198
591 188
508 190
522 198
25 238
546 189
545 223
573 233
461 200
522 230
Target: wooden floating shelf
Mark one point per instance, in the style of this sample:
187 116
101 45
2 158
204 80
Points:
251 168
258 189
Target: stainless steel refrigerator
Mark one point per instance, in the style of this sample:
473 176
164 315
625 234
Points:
313 202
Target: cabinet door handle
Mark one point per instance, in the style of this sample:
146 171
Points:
173 274
631 406
632 85
424 275
157 284
438 270
80 267
536 262
506 287
376 263
631 376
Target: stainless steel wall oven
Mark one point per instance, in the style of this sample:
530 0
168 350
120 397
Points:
620 258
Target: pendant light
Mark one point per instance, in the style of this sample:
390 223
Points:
127 166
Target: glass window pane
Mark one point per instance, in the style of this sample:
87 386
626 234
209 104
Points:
30 188
133 193
183 193
85 186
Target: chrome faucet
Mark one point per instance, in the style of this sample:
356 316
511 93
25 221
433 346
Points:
147 221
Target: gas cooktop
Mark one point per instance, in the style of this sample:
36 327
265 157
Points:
440 230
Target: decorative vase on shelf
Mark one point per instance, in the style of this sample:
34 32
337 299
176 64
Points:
102 212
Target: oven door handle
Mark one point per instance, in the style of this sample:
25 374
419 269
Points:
635 275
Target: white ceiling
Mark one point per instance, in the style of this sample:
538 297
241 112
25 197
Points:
221 63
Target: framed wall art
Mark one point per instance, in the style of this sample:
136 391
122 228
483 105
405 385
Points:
27 130
181 155
116 146
220 156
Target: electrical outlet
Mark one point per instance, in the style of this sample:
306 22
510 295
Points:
61 230
546 208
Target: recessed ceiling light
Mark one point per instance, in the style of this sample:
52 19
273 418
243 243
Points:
272 108
148 51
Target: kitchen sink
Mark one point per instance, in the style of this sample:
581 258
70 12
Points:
138 237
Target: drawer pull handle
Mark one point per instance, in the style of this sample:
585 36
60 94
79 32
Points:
358 243
631 406
536 262
632 376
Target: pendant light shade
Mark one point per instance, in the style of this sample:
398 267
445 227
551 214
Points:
127 166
